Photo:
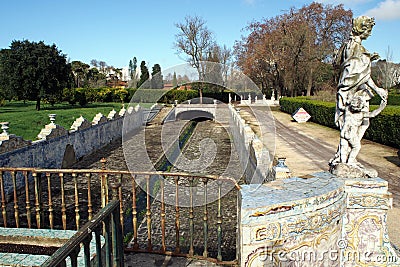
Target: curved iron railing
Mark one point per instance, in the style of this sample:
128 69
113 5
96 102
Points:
67 198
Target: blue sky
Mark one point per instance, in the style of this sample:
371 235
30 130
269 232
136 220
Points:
116 31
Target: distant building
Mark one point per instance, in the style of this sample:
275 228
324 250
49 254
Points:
168 86
185 87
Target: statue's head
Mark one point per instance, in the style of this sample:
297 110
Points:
362 26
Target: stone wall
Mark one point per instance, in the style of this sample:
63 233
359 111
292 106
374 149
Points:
316 221
252 153
84 137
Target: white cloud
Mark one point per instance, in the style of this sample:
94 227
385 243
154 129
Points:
345 2
249 2
386 10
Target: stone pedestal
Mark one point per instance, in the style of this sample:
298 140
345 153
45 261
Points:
320 220
9 142
365 237
99 119
51 130
291 222
281 170
80 124
112 115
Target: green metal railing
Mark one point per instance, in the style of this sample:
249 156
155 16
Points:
107 221
68 198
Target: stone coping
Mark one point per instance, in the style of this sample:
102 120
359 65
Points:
39 237
288 197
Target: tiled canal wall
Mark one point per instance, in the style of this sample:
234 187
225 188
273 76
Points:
315 221
58 144
252 153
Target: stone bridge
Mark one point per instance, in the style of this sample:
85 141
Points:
192 111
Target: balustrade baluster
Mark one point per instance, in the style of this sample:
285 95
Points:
163 247
191 216
86 250
63 206
16 211
99 250
219 222
148 213
177 223
118 254
121 204
74 257
104 190
27 202
104 184
3 201
77 216
89 181
51 220
205 219
38 200
108 241
134 214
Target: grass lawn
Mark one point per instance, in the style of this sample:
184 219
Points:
25 121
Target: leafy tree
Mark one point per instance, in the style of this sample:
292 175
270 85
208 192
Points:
80 71
290 50
156 77
132 67
174 80
103 66
132 71
32 71
144 74
95 78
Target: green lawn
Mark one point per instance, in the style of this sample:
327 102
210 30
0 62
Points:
25 121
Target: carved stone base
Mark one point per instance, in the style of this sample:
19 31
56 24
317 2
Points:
343 170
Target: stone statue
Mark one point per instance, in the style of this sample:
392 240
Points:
354 90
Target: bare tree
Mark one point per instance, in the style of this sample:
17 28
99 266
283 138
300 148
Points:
94 63
195 40
389 71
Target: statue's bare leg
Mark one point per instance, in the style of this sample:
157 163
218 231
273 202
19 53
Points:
344 150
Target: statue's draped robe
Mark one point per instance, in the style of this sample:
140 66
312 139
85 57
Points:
355 70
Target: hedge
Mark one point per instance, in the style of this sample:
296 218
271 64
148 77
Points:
393 100
384 129
107 94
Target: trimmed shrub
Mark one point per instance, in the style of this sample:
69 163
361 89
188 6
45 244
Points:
80 96
384 129
393 100
180 95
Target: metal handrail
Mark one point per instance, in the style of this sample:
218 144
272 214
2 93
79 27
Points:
109 214
40 211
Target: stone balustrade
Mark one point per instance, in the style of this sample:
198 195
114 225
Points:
253 155
83 137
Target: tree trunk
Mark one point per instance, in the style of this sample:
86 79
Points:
38 103
310 82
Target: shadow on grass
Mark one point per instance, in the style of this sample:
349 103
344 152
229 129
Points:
17 106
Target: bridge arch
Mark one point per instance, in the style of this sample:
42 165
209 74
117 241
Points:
194 114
